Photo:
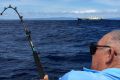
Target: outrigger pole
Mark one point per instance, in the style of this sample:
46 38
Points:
28 36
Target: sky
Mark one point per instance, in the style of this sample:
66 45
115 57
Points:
62 8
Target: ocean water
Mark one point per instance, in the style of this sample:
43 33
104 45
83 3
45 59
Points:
63 46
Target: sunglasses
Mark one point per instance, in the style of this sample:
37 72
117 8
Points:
93 47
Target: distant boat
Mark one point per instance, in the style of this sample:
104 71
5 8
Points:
81 21
90 18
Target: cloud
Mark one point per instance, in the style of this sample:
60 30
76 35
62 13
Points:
92 11
38 8
84 11
109 2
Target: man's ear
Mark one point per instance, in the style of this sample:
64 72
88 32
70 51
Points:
110 56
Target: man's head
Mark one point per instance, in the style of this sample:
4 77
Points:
107 57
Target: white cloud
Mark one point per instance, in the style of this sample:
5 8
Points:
84 11
92 11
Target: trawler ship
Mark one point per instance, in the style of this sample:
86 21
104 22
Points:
91 18
94 20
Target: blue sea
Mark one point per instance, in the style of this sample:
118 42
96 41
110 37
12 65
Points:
63 46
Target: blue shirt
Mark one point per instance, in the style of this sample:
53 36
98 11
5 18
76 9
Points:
88 74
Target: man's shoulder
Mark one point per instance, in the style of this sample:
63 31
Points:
79 75
108 74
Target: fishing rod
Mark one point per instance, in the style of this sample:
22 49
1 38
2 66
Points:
28 36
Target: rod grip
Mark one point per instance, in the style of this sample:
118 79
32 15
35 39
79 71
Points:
39 65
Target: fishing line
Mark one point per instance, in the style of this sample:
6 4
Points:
28 36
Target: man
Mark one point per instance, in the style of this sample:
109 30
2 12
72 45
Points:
105 60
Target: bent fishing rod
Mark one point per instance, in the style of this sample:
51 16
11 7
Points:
28 36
